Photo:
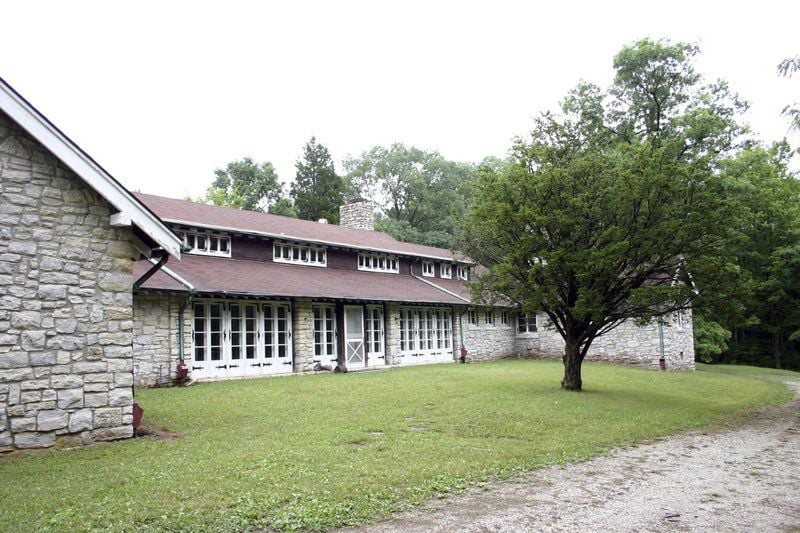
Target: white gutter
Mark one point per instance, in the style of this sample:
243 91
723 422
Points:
173 275
432 284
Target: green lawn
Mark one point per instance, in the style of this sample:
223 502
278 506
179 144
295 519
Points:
329 450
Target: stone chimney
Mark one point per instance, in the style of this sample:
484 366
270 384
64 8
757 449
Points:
358 214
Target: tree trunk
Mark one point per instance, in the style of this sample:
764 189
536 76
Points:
572 366
776 349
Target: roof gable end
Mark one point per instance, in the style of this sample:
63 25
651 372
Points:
131 210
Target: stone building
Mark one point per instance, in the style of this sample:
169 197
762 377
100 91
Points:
261 294
90 306
69 235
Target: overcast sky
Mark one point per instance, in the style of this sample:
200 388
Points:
162 93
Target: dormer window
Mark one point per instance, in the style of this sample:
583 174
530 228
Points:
378 263
206 243
299 254
427 269
462 273
446 270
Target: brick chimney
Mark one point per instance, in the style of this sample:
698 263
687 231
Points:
358 214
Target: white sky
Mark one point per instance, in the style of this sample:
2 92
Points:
162 93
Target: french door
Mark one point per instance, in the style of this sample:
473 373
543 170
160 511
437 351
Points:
236 339
425 336
376 355
325 352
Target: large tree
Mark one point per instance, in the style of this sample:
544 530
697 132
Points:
420 194
245 184
787 68
614 209
317 190
770 196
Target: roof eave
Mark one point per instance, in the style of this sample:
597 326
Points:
131 211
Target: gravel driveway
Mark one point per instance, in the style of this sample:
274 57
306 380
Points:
743 478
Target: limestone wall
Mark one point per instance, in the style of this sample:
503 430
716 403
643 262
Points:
627 344
484 342
156 346
66 366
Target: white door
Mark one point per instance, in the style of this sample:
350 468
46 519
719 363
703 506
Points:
208 343
276 334
354 337
325 352
375 351
243 359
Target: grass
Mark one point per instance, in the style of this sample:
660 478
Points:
316 452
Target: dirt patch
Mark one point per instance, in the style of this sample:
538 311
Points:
155 433
741 477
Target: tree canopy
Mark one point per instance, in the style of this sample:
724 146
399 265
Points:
245 184
614 208
317 190
420 194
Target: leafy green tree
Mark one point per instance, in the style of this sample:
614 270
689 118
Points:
283 207
710 338
317 190
787 68
420 194
245 184
770 195
614 210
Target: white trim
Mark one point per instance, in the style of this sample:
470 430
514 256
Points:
432 284
286 237
93 174
173 275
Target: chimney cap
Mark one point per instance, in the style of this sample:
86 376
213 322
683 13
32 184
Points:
357 200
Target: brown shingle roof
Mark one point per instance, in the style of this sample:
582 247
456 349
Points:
266 279
226 218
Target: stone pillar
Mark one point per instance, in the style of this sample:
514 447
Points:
358 214
392 329
303 335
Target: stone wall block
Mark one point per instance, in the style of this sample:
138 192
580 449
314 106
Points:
107 417
95 399
52 420
22 424
70 398
120 397
13 360
32 340
80 420
34 440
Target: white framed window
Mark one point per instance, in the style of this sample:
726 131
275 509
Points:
503 318
427 269
681 318
446 271
526 324
206 243
283 252
488 318
378 262
425 331
472 316
462 272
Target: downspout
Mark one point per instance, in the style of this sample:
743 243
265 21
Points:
181 326
662 363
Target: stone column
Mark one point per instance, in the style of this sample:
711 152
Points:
303 335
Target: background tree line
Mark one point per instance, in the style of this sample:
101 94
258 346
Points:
721 208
